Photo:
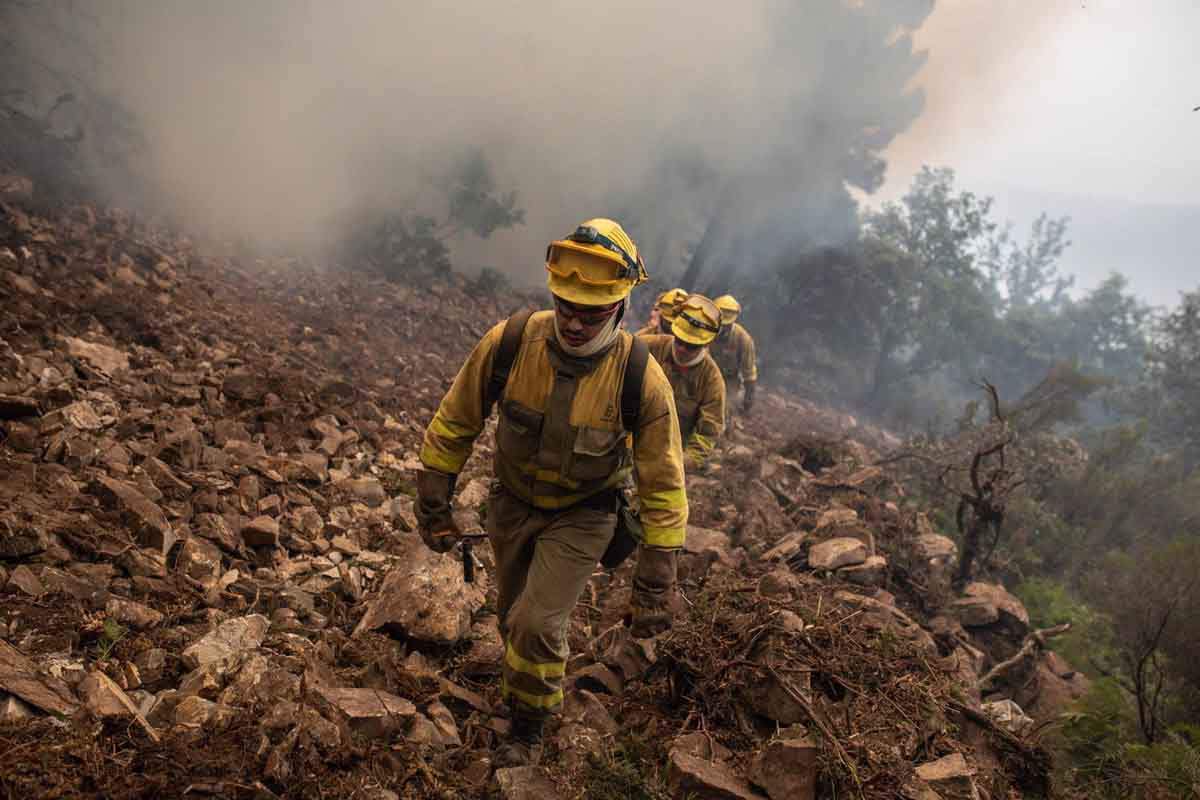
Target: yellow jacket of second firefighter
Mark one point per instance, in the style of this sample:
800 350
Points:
699 399
734 354
560 437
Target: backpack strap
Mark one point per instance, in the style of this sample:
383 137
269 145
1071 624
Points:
631 391
506 354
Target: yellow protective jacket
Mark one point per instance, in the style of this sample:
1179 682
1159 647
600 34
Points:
647 330
551 459
699 399
734 354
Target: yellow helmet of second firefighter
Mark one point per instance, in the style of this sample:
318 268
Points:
698 320
596 265
668 303
730 309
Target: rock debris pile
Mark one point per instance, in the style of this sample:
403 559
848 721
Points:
210 582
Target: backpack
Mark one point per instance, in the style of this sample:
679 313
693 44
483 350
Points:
506 354
628 533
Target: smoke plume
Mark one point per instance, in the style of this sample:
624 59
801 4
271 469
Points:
723 134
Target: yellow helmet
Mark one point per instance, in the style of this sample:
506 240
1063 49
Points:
596 265
698 320
730 308
668 303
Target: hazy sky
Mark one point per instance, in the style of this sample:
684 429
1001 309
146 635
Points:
1075 107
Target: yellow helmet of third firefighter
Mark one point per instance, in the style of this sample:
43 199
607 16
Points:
668 303
730 309
698 321
597 265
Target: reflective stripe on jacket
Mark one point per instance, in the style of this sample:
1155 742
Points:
560 439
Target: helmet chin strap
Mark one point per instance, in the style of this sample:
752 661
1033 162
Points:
598 342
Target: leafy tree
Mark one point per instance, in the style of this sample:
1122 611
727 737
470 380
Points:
397 244
924 252
1173 383
1152 597
1028 274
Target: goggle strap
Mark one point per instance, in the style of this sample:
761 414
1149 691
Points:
699 324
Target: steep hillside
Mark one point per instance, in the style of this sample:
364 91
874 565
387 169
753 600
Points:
210 583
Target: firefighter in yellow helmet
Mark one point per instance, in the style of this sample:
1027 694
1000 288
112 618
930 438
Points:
734 353
571 432
663 313
695 378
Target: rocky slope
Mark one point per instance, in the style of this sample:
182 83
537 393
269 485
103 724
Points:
210 584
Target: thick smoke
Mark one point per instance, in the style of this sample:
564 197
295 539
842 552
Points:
723 134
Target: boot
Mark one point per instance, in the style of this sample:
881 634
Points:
524 745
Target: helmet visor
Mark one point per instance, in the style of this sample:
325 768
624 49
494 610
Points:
567 259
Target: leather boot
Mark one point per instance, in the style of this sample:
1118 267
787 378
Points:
524 745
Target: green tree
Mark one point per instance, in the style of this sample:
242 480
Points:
923 253
1170 393
1152 597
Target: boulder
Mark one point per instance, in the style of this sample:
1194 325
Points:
872 572
104 698
1008 715
1009 610
13 709
370 712
261 532
200 560
144 518
599 679
132 614
951 777
585 708
99 357
526 783
367 490
698 779
17 407
228 642
974 612
23 579
247 387
770 698
426 599
786 769
20 677
19 540
704 540
786 548
835 553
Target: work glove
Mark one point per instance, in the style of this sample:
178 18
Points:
748 398
435 522
653 584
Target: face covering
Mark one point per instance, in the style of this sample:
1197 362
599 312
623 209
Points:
600 341
696 359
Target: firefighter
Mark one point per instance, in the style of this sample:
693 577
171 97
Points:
695 378
734 353
663 313
565 445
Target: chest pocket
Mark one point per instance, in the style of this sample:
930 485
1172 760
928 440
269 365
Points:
519 432
597 453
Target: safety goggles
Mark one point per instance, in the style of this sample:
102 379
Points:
585 318
575 256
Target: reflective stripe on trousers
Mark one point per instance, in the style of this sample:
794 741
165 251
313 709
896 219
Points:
543 562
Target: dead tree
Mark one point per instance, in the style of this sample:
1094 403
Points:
981 488
981 508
